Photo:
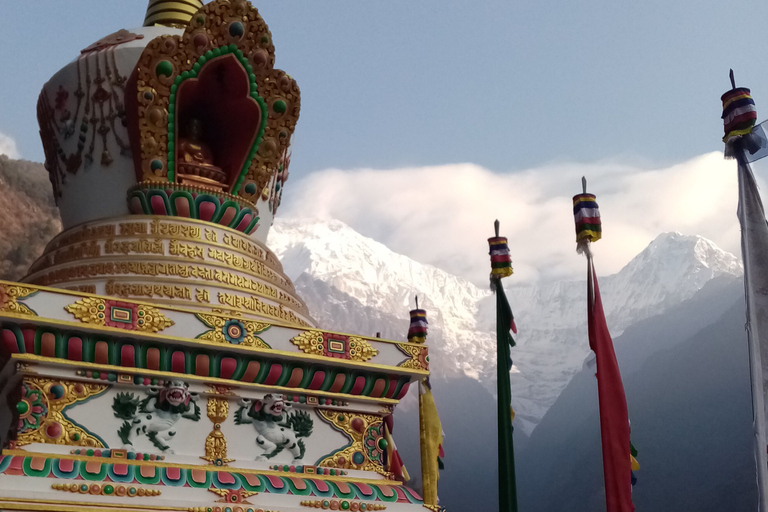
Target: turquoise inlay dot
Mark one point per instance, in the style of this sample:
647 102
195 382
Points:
156 165
250 188
358 458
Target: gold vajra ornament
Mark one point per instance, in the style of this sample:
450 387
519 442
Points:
216 443
234 331
107 490
41 412
123 315
334 345
9 299
419 356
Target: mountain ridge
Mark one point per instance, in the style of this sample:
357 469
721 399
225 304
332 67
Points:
368 279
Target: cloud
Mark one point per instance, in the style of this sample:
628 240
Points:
442 215
8 146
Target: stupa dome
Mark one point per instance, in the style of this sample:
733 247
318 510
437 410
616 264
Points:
166 145
184 117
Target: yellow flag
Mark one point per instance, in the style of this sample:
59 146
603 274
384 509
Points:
431 438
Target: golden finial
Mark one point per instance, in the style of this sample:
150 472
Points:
171 13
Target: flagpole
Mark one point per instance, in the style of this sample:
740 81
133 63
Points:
501 266
755 362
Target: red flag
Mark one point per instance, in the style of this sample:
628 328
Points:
614 417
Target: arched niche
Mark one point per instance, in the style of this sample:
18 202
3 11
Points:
222 100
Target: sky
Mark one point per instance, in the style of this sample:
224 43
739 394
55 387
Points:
449 114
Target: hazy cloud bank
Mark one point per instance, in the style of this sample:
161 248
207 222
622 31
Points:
442 215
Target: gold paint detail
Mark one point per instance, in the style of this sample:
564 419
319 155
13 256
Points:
315 342
342 459
9 299
117 490
419 356
214 276
93 310
130 290
220 326
171 13
70 434
216 443
233 495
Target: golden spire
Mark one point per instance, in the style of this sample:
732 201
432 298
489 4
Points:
171 13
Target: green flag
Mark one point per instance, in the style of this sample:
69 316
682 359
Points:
501 266
504 341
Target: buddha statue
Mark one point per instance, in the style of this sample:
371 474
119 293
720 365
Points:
194 161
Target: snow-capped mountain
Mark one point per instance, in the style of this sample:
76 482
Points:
354 284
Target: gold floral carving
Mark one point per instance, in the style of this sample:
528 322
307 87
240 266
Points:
55 428
309 342
216 443
237 332
117 490
419 356
318 343
9 299
355 426
140 317
207 31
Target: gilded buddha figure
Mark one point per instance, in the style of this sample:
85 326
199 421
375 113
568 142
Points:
195 160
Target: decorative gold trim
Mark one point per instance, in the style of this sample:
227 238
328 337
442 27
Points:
179 271
189 377
233 495
216 443
236 348
315 342
9 298
195 311
71 392
117 490
204 467
179 53
419 356
91 310
117 221
218 324
343 458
